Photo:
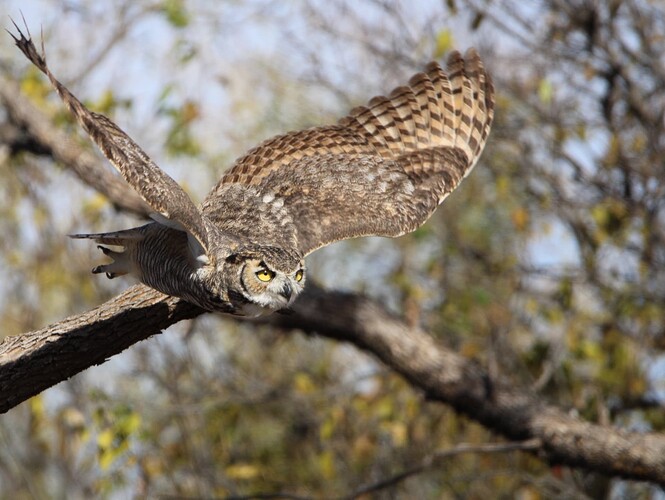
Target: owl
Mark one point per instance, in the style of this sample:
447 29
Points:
382 170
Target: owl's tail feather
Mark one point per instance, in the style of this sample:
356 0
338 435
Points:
121 262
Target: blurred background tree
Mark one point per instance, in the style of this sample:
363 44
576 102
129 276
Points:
547 265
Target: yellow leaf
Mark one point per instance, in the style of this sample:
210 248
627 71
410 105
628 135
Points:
303 383
444 42
398 432
581 130
105 439
95 204
503 185
327 464
73 419
106 103
591 350
385 407
106 458
130 423
37 406
520 218
531 305
34 86
639 143
545 91
326 429
242 471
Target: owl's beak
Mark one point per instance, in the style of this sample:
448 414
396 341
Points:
286 291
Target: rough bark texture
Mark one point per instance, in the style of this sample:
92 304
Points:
32 362
35 361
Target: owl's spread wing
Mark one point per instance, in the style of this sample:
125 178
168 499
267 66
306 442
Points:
172 205
382 170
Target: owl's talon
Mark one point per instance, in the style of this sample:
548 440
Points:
116 268
103 269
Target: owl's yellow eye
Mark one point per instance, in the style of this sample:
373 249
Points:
299 275
265 275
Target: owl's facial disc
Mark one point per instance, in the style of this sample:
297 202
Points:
271 289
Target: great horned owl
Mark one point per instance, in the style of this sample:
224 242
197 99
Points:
382 170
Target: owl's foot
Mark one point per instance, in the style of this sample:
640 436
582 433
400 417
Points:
118 267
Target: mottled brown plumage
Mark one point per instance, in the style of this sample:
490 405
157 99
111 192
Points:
382 170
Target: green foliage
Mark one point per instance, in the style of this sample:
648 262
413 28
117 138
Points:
34 86
546 265
176 13
179 140
115 428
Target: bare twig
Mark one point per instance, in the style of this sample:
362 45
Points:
437 457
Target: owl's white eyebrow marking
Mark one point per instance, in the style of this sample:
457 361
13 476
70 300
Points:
268 198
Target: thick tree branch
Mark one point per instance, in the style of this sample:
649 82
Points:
35 361
32 362
44 137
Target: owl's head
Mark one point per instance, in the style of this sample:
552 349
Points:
266 279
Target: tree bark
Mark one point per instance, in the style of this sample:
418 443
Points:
34 361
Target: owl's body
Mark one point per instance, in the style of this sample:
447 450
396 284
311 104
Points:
382 170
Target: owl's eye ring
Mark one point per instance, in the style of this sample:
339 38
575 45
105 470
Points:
265 275
299 275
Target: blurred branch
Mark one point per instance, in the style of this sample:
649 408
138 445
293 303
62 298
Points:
42 137
32 362
128 18
439 456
